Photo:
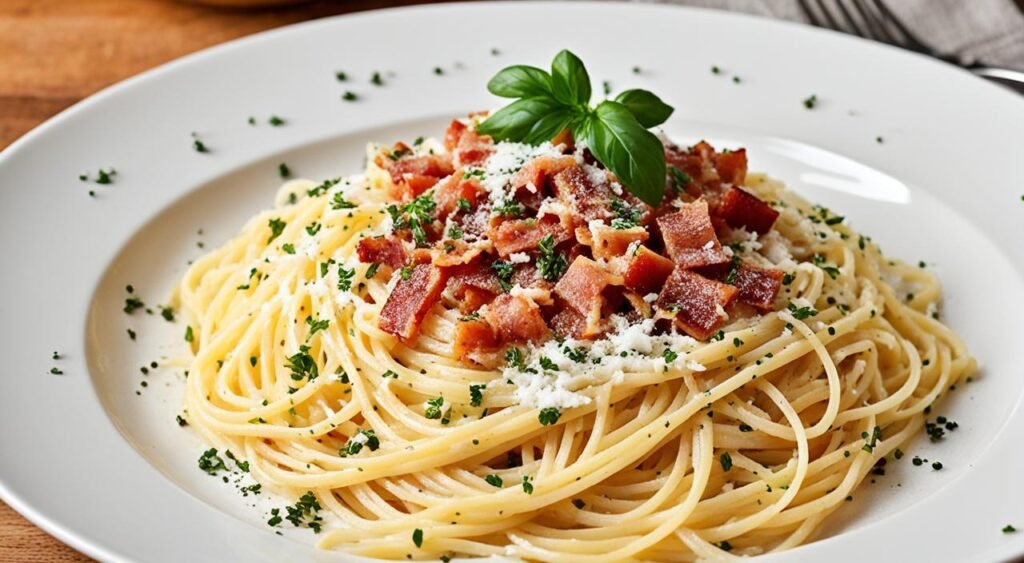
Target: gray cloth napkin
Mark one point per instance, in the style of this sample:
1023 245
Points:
989 31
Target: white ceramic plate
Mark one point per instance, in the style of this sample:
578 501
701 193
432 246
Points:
109 471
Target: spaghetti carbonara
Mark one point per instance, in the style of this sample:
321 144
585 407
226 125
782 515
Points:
480 348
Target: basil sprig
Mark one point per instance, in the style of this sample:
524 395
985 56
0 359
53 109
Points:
615 131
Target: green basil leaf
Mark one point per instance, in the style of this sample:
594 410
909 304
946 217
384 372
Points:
648 109
515 121
628 149
551 124
520 81
570 82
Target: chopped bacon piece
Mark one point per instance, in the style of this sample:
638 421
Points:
538 170
382 250
467 146
609 242
741 208
433 165
524 234
567 323
732 166
582 287
690 238
472 336
587 200
699 302
477 223
757 286
453 134
476 275
647 271
456 252
516 319
452 189
410 301
698 164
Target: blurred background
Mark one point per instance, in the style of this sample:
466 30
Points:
54 53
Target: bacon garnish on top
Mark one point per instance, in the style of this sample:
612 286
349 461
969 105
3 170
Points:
567 247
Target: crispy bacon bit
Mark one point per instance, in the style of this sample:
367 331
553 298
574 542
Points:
433 165
516 319
757 286
410 301
582 287
538 170
732 166
473 276
741 208
587 201
698 164
524 234
382 250
452 189
647 271
698 302
567 323
609 242
456 252
472 336
453 134
690 238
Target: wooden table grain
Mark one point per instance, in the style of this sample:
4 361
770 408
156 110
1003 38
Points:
54 53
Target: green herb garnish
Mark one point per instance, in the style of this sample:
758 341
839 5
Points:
615 131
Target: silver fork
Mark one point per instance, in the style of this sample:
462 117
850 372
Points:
872 19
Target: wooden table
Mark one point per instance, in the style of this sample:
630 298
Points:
54 53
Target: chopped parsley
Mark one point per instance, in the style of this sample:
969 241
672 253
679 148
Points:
1009 529
547 364
801 313
726 460
415 216
514 357
339 202
819 261
504 271
321 188
276 228
464 204
167 313
476 395
305 512
549 416
509 208
345 276
578 355
276 121
372 270
626 216
210 462
551 263
417 537
131 304
316 326
376 79
354 446
302 365
679 179
288 248
528 484
433 410
670 356
349 96
189 337
494 480
811 101
872 440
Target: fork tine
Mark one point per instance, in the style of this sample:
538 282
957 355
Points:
832 22
812 16
876 24
865 31
909 40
